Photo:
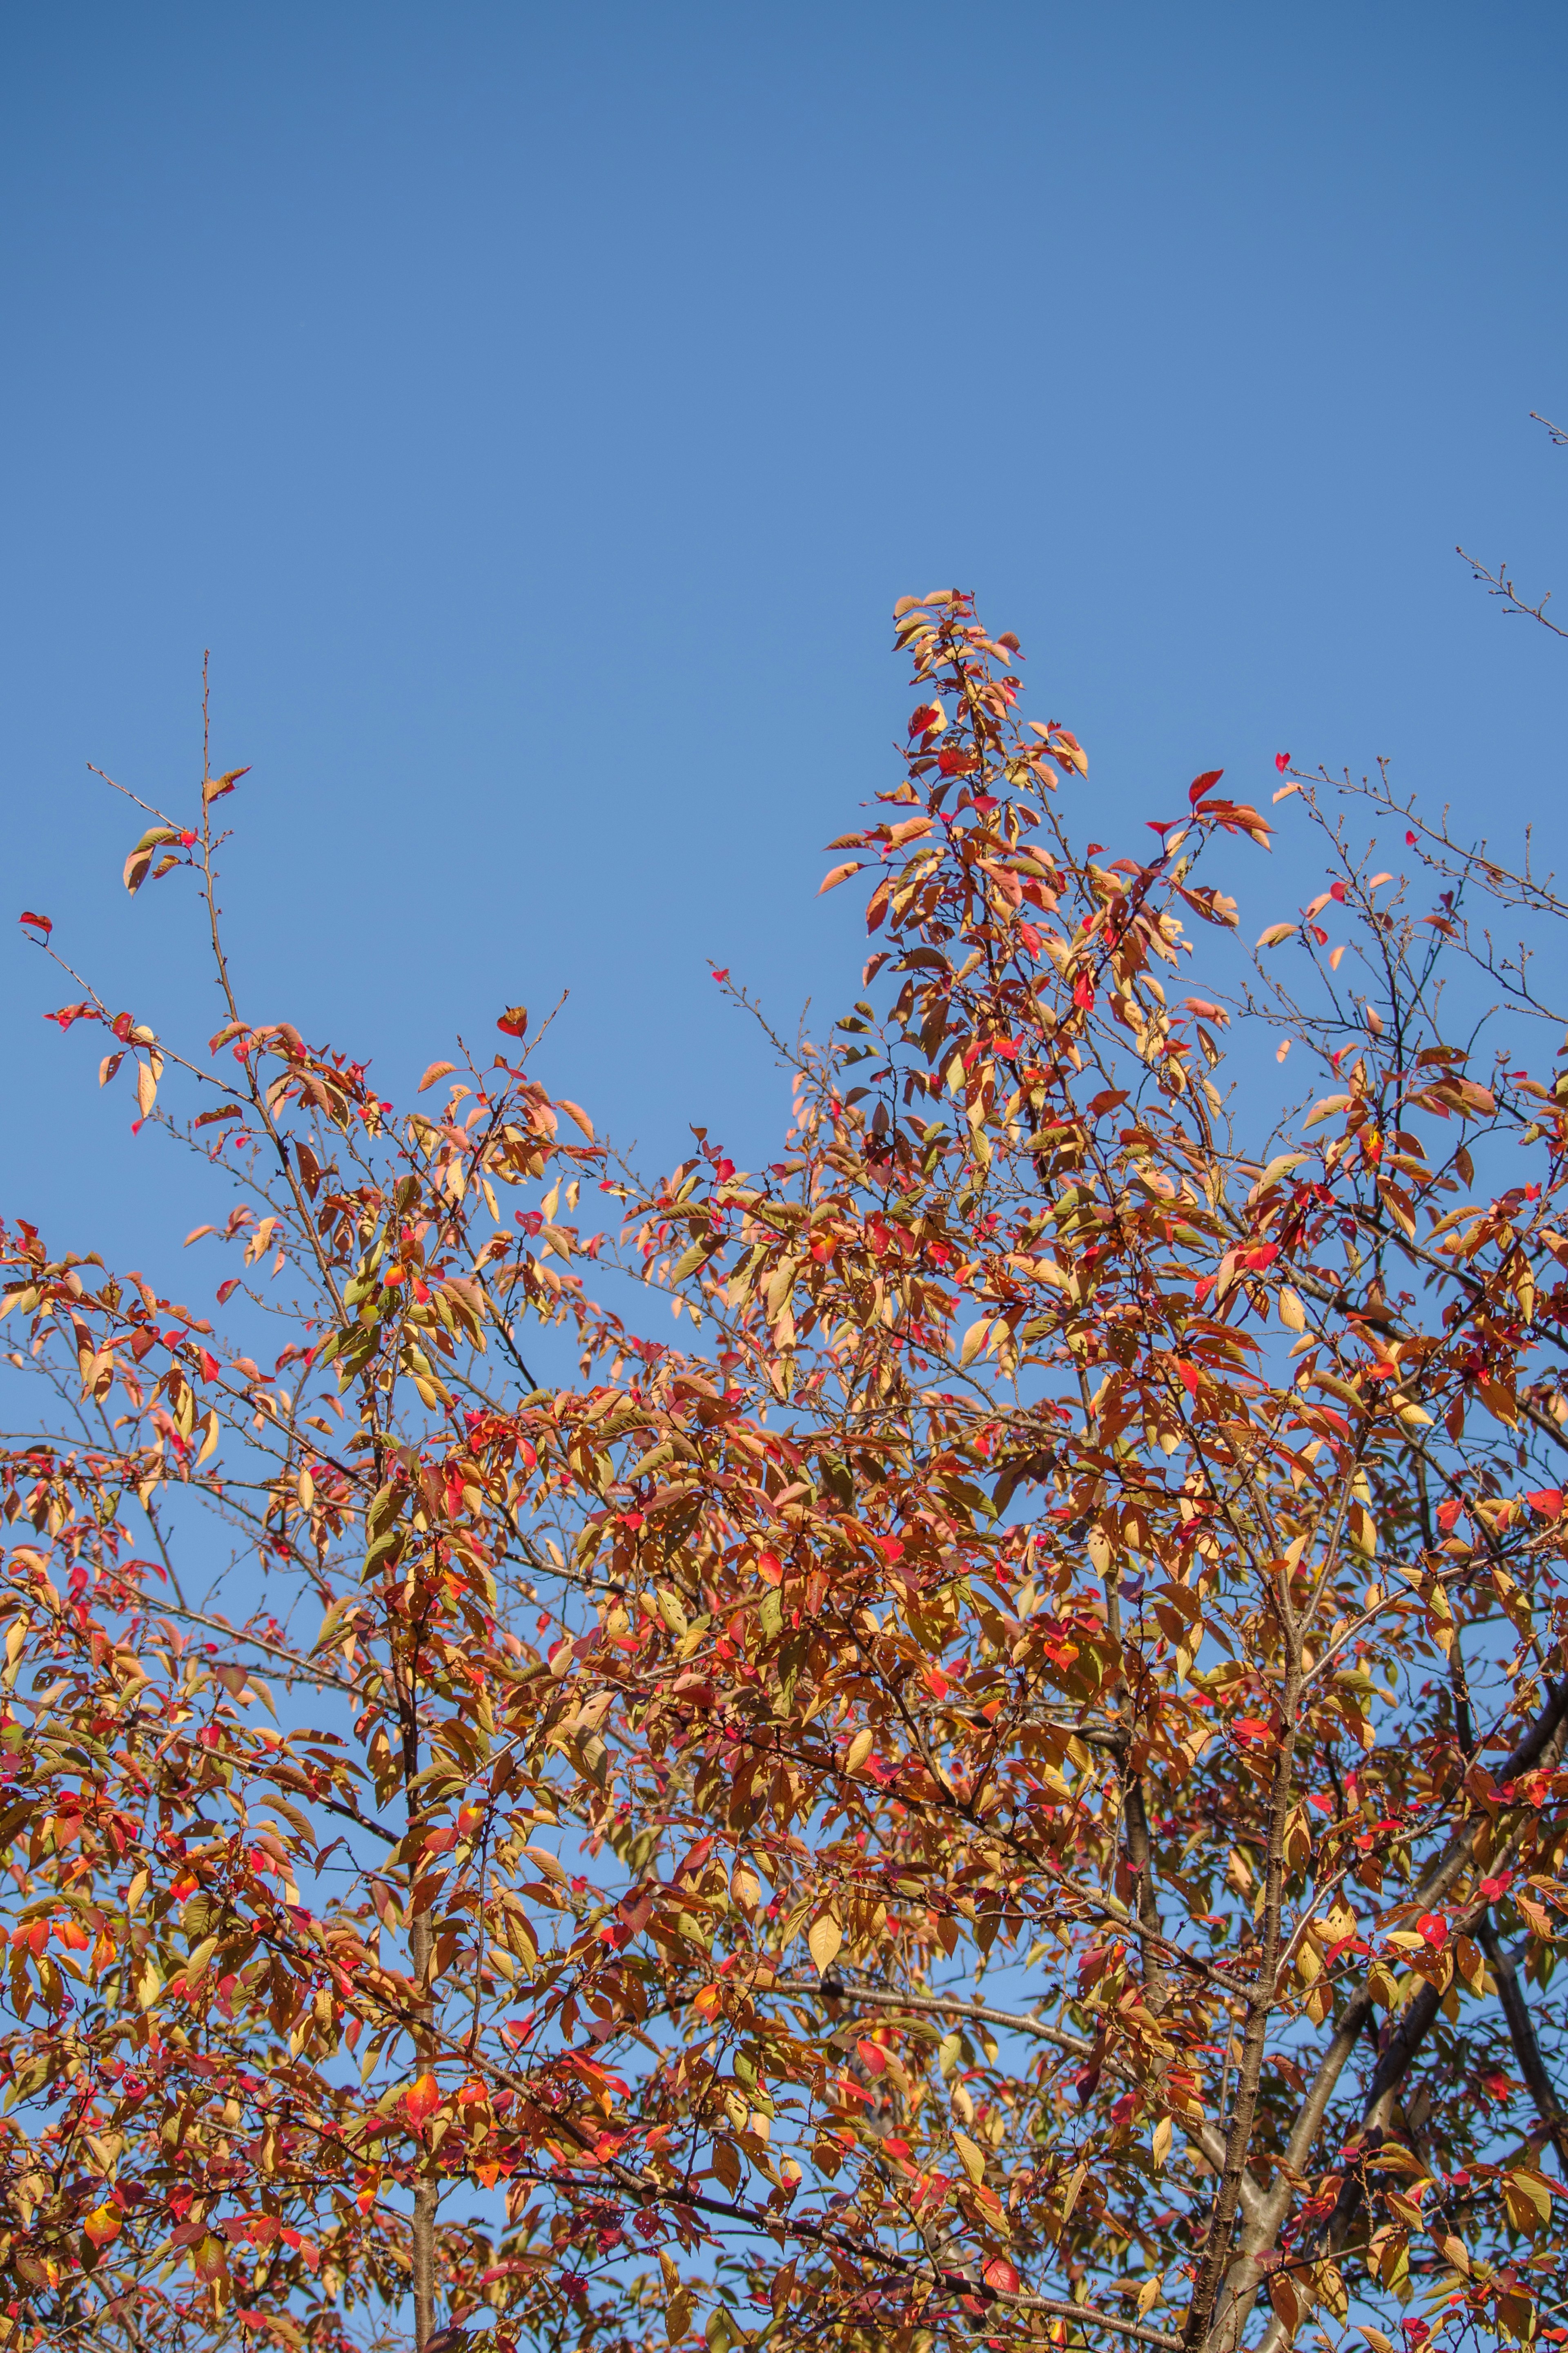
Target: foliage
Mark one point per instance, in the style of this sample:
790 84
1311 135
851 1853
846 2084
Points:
1009 1785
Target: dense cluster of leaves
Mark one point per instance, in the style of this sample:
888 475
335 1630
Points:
1008 1787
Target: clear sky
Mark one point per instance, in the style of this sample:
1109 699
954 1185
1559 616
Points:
538 410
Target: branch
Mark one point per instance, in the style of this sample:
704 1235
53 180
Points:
1526 2047
1076 2046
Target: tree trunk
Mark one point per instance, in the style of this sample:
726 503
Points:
421 1944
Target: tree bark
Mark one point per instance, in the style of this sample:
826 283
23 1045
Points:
1238 2140
421 1946
1526 2048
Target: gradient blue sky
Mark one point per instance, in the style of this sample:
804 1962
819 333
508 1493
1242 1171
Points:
537 411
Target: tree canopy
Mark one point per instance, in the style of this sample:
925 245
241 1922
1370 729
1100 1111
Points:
998 1779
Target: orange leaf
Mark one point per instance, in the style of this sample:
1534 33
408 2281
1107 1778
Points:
422 2099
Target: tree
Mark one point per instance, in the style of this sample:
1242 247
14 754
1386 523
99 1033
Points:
1006 1784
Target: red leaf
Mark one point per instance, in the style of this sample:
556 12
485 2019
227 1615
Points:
43 923
722 972
1548 1501
999 2274
1282 761
1200 785
421 2098
514 1021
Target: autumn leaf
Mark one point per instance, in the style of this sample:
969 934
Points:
825 1939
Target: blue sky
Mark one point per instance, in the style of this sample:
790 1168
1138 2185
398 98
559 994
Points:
538 410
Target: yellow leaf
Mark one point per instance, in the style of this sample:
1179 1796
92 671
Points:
1149 2290
1279 1167
436 1070
1275 933
824 1939
1293 1314
838 874
1527 2199
146 1087
581 1117
969 2152
196 1966
859 1749
973 1341
671 1610
1079 2175
1161 2144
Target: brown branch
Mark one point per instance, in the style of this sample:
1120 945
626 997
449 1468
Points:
1526 2046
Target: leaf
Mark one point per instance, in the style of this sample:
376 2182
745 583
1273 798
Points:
1281 1165
514 1021
824 1939
969 2154
141 858
41 922
838 874
1293 1314
146 1086
1000 2276
1528 2199
215 787
422 2099
1275 933
436 1070
1285 2295
975 1340
196 1966
580 1118
859 1749
108 1066
1325 1109
101 2225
